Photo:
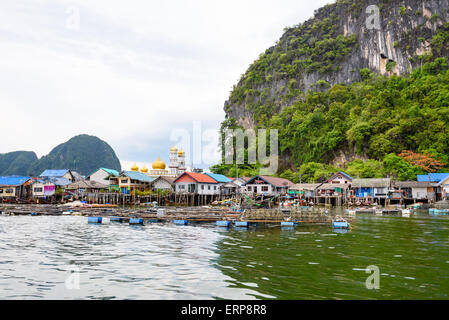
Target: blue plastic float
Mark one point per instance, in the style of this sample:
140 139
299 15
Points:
340 225
116 219
242 224
94 220
289 224
226 224
135 221
181 222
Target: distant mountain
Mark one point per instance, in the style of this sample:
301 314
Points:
16 163
83 154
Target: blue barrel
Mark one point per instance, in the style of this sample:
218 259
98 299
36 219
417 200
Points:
226 224
116 219
288 224
135 221
94 220
242 224
153 221
34 214
340 225
181 222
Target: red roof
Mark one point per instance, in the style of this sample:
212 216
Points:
198 177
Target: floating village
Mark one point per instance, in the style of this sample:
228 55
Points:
172 193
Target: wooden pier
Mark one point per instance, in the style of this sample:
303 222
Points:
191 214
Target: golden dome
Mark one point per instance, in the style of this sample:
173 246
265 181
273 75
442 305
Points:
159 164
144 169
134 168
181 152
174 149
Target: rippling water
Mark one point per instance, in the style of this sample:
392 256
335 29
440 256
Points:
164 261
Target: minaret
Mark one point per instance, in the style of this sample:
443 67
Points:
174 164
181 162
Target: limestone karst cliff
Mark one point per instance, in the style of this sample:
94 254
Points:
332 47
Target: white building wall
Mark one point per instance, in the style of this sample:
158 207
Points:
340 180
209 189
200 188
419 193
266 189
7 192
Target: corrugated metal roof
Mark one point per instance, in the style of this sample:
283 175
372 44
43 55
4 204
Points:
13 180
305 186
333 186
371 183
432 177
275 181
219 177
111 172
170 180
86 184
138 176
60 181
413 184
443 181
54 173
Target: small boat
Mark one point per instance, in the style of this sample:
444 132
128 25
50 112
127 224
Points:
67 213
340 223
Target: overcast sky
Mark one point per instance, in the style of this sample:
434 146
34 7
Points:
129 72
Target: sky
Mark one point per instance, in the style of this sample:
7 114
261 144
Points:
140 75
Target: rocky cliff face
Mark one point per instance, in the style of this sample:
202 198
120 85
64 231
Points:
385 36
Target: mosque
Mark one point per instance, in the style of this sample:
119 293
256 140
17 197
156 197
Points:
159 168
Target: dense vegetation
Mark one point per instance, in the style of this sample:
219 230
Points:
315 46
83 154
373 120
16 163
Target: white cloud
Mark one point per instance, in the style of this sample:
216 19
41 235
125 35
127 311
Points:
132 72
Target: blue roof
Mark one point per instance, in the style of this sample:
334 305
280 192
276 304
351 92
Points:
219 177
111 171
138 176
60 181
54 173
13 180
432 177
